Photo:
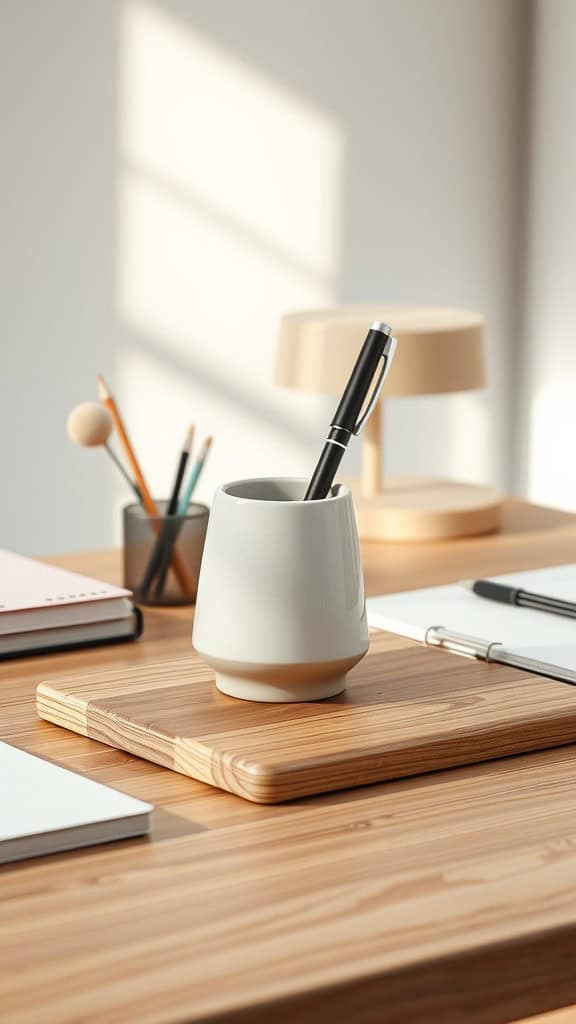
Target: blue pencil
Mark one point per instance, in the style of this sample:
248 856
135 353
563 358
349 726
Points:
193 478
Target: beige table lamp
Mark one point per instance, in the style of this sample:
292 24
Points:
439 351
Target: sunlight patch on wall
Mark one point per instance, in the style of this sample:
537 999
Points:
202 119
470 442
229 198
551 449
199 287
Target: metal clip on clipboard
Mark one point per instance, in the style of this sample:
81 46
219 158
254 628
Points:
460 643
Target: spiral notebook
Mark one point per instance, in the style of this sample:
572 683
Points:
456 619
44 608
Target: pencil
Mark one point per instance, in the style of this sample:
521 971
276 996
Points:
183 462
148 502
108 400
163 542
193 479
182 510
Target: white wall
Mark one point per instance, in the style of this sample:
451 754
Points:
178 174
57 316
547 435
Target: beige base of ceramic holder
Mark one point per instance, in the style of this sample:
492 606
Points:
247 688
283 683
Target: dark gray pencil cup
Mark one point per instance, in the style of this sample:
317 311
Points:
162 554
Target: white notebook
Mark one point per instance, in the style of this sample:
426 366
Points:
46 809
455 618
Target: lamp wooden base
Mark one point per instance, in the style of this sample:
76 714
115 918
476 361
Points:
412 508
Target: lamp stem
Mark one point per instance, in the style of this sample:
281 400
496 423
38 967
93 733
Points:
372 453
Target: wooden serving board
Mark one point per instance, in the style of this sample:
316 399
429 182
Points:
408 709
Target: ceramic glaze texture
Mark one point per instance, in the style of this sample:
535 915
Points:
280 612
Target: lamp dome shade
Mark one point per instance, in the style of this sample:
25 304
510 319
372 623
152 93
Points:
439 350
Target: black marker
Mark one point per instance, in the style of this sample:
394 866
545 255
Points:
524 598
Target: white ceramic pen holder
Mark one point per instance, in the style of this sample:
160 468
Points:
280 611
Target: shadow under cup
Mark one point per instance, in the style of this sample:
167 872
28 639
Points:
162 554
280 613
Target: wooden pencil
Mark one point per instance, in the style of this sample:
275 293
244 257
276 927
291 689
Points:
108 400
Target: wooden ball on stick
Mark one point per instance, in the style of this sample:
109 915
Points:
90 425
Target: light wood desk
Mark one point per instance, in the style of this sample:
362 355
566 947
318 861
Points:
448 898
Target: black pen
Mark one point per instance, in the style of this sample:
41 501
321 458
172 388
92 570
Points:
523 598
379 346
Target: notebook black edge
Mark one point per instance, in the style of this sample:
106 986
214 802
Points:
81 645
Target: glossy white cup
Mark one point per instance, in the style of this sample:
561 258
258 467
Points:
280 612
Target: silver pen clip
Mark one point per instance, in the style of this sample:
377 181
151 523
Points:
387 358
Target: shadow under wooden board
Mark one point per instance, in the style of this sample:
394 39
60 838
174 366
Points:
408 709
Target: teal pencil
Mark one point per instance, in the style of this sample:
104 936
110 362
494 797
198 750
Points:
181 511
193 478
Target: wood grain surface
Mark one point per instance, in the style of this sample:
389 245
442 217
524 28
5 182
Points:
407 709
448 897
